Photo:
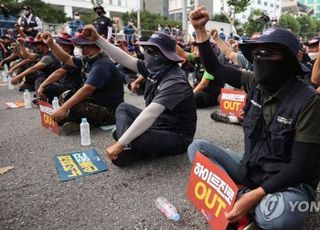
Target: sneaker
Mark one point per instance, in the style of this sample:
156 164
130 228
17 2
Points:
217 116
69 128
25 86
127 157
114 134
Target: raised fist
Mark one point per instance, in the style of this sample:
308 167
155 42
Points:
199 17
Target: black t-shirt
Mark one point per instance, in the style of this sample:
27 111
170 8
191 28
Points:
72 79
51 64
174 92
101 73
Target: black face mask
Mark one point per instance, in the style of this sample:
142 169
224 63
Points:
156 62
99 12
271 75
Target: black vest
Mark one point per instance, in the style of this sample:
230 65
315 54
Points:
268 147
101 24
31 24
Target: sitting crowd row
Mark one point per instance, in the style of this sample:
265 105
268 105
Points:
282 137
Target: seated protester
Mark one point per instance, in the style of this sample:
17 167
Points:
315 75
129 76
281 161
43 68
101 92
7 40
207 92
64 78
235 56
205 88
20 63
168 123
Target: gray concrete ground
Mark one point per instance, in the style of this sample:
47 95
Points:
32 196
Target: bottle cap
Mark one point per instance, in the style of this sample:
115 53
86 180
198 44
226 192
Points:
84 119
26 90
176 217
55 98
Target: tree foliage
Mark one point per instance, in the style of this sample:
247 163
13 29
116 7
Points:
236 7
47 12
254 24
308 27
96 2
149 21
224 18
289 22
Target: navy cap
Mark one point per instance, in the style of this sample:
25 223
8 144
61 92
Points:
64 39
79 40
279 37
165 43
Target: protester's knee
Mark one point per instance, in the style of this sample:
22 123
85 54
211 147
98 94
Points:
122 107
194 147
275 213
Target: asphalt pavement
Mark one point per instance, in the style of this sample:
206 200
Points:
33 197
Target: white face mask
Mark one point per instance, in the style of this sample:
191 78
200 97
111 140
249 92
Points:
77 52
77 17
26 12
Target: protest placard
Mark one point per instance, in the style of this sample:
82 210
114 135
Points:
211 191
77 164
14 105
47 121
232 101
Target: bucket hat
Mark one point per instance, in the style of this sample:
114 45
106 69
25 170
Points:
165 43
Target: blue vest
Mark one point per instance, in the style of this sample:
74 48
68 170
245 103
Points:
268 147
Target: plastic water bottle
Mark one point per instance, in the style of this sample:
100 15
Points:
85 132
55 103
27 99
10 86
167 208
5 73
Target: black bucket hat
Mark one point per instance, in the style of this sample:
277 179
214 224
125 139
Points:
99 7
165 43
281 38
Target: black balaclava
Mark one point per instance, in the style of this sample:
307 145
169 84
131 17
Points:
99 12
271 75
156 64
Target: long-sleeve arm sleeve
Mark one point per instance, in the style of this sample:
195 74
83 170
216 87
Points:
223 73
118 55
145 119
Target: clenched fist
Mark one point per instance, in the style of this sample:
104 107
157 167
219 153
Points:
199 17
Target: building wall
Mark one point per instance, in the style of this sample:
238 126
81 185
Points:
156 6
117 6
315 5
175 7
272 8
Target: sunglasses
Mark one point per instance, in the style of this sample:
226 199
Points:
265 54
151 50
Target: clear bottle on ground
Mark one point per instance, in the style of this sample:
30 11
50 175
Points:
167 208
55 103
5 73
10 85
85 132
27 99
